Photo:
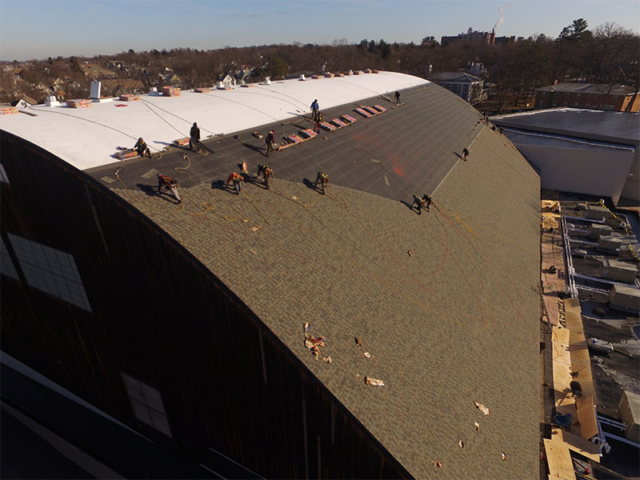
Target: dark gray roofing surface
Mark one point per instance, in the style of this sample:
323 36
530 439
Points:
445 301
613 127
598 88
453 77
406 150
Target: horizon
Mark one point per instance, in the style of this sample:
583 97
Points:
30 29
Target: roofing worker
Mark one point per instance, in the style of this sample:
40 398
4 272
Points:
237 180
270 141
429 201
194 137
420 203
170 184
142 148
397 98
318 119
314 108
465 153
266 172
323 179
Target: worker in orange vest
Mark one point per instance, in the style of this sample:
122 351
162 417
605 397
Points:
237 180
266 172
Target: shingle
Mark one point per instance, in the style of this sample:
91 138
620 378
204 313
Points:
455 321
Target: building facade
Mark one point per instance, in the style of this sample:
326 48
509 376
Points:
618 98
468 87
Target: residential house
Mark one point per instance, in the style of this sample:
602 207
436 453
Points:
619 98
120 86
468 87
243 74
476 69
95 71
115 64
24 102
227 80
170 78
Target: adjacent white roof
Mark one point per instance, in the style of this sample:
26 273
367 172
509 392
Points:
89 137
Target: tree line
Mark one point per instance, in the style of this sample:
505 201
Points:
607 54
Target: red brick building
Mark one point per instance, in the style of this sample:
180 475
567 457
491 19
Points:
619 98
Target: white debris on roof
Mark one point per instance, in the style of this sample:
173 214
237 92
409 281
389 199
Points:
89 137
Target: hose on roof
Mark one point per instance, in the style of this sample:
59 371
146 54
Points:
91 121
272 96
160 117
241 104
148 104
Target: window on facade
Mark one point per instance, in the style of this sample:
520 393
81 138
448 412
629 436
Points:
608 107
615 97
3 175
578 95
147 404
540 103
542 94
6 264
50 271
555 104
566 95
576 104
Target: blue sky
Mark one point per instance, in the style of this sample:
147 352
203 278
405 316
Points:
42 28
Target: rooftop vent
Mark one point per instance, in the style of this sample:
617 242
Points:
95 90
52 101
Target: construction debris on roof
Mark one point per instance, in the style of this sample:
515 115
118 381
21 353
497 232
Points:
79 103
171 92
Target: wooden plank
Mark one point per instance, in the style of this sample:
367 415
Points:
587 417
579 445
559 460
580 359
572 305
564 401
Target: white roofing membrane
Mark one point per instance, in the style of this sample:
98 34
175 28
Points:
89 137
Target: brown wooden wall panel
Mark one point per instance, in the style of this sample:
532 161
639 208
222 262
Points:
161 317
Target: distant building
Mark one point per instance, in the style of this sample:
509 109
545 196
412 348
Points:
119 86
580 151
25 101
476 69
467 87
170 78
227 80
619 98
115 63
505 40
470 36
482 37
